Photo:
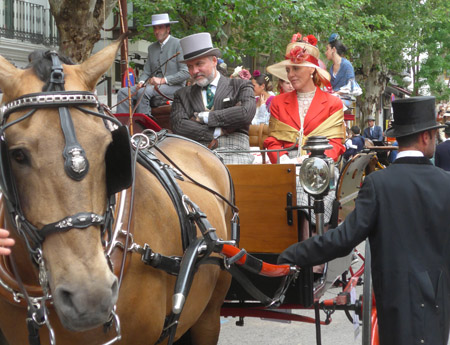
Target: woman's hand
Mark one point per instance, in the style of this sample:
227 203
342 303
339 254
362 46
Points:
5 242
261 100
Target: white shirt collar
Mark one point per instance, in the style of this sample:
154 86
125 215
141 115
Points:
409 153
165 41
215 82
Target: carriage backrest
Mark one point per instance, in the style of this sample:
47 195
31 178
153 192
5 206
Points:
257 134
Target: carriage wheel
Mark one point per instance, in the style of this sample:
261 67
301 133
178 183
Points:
367 299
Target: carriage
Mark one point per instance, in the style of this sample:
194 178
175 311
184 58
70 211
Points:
188 274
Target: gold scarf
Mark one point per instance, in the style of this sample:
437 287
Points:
333 127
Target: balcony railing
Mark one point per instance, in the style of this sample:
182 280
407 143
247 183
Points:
26 21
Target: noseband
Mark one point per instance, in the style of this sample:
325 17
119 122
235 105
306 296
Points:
76 164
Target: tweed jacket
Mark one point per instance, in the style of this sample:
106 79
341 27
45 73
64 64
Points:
284 107
442 156
175 72
404 211
234 115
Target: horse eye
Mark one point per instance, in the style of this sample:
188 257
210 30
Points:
19 156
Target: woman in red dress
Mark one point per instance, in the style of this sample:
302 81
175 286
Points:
306 111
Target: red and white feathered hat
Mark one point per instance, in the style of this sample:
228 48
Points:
301 51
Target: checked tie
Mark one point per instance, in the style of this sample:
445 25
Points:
209 97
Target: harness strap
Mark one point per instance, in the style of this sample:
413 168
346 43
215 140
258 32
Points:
33 326
80 220
170 265
166 176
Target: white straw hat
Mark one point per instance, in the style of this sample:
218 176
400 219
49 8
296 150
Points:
160 19
301 53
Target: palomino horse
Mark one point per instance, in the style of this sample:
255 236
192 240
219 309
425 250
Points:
82 286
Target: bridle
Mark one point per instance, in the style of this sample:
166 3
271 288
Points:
76 164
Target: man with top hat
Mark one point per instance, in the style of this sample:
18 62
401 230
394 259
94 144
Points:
403 210
442 155
163 69
215 111
374 133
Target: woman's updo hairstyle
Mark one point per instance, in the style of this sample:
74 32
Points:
334 42
263 79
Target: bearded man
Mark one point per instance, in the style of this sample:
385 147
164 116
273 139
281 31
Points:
215 111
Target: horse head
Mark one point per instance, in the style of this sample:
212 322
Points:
52 189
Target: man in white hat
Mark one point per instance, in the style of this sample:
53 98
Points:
215 111
162 69
373 132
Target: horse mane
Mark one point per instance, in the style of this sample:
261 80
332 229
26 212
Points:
41 63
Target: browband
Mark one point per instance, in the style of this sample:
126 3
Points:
49 99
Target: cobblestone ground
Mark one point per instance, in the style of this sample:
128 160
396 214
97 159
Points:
262 332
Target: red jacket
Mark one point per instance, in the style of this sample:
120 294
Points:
284 107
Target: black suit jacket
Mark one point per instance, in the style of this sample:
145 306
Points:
442 156
405 211
234 116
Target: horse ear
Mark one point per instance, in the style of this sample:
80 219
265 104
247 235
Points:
94 67
9 76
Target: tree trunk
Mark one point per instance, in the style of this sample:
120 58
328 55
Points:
79 24
375 80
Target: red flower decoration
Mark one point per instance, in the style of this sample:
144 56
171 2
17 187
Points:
298 55
312 40
244 74
296 37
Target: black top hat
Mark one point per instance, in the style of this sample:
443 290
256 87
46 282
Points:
413 115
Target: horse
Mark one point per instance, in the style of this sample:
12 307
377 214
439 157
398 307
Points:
85 296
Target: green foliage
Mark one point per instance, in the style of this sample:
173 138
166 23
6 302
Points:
384 37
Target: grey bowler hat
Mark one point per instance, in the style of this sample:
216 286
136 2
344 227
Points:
371 118
413 115
160 19
198 45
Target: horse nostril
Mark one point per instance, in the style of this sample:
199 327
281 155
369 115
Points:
115 288
66 298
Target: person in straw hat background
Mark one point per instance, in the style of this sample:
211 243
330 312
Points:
215 111
403 210
306 111
167 77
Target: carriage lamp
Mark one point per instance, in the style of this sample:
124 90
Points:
317 171
315 175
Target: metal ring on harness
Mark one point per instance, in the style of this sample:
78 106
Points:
141 140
